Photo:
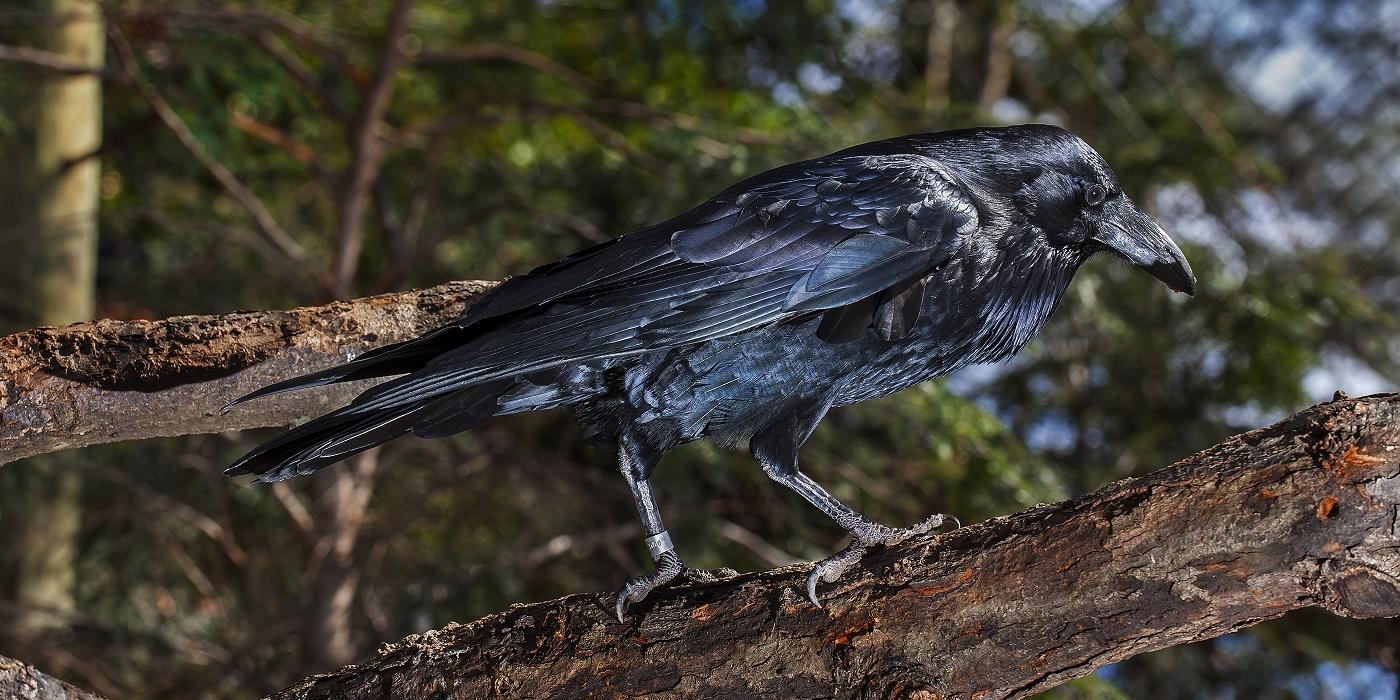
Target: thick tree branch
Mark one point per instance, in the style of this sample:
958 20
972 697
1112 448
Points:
20 680
1299 514
106 381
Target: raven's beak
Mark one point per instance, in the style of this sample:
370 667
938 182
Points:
1138 238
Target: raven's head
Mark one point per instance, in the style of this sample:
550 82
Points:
1066 190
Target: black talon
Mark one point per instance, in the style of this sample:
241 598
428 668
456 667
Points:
812 577
668 567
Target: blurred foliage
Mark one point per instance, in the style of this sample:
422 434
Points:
1264 134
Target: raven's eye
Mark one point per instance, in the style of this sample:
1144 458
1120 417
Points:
1095 194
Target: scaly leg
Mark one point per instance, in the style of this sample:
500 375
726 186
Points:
779 460
663 552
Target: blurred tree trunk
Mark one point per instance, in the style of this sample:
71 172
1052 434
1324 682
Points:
56 253
997 80
938 70
342 498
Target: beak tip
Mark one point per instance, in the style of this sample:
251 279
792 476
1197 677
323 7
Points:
1139 239
1189 288
1176 276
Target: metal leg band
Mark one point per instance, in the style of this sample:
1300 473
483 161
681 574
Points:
659 544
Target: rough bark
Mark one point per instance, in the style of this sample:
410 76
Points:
1299 514
107 381
20 680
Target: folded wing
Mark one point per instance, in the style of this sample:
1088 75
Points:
848 237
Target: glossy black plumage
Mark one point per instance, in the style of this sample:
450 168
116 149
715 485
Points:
820 283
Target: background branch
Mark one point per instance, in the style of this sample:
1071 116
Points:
107 381
46 61
367 152
298 259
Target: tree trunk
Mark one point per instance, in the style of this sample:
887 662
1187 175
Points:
56 276
1000 60
1299 514
342 497
938 68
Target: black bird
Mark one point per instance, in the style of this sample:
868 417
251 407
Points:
816 284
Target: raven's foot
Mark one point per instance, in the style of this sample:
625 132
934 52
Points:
707 575
668 569
864 535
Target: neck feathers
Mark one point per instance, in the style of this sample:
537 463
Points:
1027 289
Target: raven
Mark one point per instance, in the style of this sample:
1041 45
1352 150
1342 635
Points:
816 284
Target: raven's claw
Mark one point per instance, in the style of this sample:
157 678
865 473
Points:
668 569
864 536
707 575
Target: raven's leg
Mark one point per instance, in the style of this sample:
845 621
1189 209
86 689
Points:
668 564
776 451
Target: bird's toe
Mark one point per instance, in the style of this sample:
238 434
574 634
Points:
863 537
668 568
635 591
832 568
929 524
707 575
872 534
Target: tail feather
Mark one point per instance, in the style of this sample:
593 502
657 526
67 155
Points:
351 429
461 410
342 433
388 360
318 443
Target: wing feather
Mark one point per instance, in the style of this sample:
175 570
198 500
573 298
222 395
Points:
845 230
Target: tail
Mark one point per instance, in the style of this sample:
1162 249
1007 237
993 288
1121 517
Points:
342 433
395 358
349 430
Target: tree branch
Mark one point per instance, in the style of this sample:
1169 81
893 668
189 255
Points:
20 680
298 259
1300 514
106 381
46 61
513 54
999 58
938 66
367 152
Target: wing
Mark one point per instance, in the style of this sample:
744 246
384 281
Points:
847 236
